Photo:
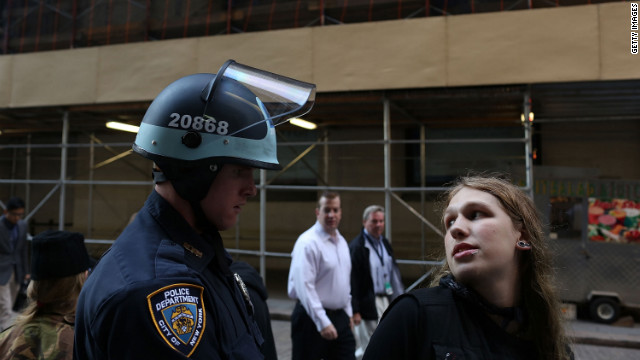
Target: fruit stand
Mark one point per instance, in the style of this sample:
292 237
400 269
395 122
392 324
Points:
601 268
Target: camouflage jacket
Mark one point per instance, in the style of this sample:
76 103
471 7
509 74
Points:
46 337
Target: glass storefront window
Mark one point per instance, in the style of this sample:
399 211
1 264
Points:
566 217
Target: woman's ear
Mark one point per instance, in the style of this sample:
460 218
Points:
523 245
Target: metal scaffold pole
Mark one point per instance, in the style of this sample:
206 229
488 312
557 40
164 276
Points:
28 173
423 183
263 224
527 121
387 167
63 169
91 174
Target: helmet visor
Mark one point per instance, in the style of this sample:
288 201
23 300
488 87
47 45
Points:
278 97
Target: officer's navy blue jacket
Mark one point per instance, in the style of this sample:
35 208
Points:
160 293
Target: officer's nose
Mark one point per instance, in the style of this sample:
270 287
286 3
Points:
251 190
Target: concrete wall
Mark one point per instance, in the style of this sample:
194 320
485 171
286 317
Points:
573 43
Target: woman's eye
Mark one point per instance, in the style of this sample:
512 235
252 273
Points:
448 223
476 215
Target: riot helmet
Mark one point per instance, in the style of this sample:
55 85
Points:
200 122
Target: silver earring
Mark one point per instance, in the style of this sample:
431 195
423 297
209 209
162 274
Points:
524 244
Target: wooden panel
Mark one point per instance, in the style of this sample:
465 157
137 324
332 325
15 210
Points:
54 78
615 42
527 46
285 52
139 71
380 55
574 43
5 80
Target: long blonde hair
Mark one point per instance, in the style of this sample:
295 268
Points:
537 291
58 296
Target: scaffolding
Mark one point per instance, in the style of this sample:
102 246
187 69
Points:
392 194
28 26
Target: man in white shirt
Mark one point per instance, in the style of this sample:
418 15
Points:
319 278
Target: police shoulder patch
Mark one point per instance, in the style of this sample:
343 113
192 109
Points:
177 311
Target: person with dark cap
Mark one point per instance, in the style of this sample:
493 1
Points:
164 290
44 329
13 258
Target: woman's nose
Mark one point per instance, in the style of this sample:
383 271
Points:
459 229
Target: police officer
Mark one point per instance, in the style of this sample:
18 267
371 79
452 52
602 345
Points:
164 289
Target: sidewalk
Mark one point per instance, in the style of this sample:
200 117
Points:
580 331
280 308
586 332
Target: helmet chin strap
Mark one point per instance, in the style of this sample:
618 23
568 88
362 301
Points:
191 184
201 221
158 176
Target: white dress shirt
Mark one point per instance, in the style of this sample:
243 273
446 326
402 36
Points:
320 274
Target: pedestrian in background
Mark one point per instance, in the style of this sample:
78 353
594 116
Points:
44 329
14 263
493 298
258 294
375 276
319 278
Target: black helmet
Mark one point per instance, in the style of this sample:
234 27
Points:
202 121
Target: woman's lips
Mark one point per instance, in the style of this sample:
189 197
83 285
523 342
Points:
464 250
465 253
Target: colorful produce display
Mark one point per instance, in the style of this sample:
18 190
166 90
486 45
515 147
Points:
615 220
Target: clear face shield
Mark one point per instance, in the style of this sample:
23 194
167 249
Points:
275 97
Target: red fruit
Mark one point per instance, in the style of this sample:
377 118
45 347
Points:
606 205
628 204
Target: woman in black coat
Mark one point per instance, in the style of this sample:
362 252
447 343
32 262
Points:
493 297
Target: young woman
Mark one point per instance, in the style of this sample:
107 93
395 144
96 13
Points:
493 298
44 329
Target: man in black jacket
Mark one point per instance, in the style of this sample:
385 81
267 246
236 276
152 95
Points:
258 293
375 277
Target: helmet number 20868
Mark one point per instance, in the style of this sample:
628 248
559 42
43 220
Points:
198 123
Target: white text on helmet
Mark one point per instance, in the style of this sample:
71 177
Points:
198 123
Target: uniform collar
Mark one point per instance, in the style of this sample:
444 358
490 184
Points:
198 252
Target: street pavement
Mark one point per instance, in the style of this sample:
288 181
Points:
591 341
